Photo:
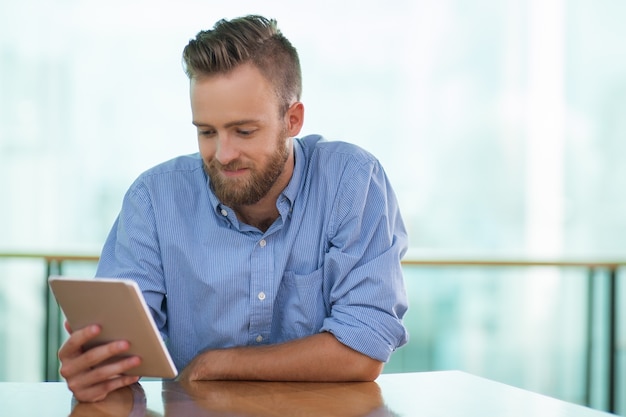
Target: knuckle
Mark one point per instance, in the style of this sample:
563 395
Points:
65 372
63 350
92 356
68 369
73 386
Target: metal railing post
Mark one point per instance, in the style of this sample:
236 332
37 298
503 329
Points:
612 340
589 335
52 328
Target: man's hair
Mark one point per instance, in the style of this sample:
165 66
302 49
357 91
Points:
249 39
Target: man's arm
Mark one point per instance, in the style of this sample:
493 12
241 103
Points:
320 357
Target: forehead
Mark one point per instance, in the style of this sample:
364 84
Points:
242 93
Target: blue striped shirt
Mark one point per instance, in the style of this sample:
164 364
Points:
330 261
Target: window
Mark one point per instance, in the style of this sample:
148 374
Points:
500 124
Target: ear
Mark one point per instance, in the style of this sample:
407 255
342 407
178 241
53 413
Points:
294 117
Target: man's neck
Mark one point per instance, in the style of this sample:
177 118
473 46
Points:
263 213
261 221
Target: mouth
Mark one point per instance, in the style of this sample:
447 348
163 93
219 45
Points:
234 173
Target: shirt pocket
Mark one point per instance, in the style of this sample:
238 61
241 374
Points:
300 309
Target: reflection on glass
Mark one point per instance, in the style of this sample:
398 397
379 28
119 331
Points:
243 398
263 399
125 402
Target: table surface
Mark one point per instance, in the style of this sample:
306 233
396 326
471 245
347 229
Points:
424 394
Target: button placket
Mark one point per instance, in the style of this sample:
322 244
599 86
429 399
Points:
262 291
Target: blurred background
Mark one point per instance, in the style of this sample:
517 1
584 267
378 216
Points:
501 123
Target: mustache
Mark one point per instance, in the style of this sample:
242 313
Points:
231 166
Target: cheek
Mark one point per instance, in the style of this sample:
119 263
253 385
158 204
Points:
206 149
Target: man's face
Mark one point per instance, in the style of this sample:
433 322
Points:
243 140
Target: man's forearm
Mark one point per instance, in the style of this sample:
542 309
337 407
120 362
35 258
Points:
320 357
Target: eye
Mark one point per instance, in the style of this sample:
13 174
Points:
206 132
245 132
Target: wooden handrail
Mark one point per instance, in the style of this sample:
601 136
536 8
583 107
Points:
591 263
409 261
53 257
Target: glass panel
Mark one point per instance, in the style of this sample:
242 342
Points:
468 318
22 328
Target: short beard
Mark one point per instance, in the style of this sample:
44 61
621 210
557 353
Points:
244 192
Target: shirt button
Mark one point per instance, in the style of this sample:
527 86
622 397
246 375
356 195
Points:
261 296
262 243
224 212
259 339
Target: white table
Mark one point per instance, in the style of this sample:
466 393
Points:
427 394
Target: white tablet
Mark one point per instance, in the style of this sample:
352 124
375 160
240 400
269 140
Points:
120 310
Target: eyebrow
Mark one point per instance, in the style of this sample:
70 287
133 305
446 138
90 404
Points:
229 124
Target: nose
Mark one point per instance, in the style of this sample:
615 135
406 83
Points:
226 150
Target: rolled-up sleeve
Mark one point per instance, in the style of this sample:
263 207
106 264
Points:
362 268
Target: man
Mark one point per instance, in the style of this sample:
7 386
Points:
263 256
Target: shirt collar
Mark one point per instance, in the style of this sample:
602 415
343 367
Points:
293 187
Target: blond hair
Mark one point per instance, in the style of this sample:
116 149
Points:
249 39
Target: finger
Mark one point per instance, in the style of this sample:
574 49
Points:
83 362
73 346
113 369
101 376
66 324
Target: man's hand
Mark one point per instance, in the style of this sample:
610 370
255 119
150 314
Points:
87 377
